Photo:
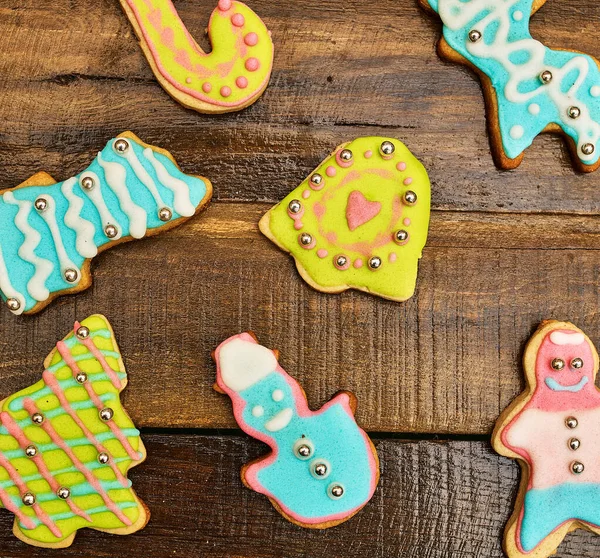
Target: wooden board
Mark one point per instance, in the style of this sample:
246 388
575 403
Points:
506 250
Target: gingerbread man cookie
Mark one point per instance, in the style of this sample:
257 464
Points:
529 88
49 232
359 221
322 468
66 444
230 78
553 429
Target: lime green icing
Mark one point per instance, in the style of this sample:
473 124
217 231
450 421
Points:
360 228
33 524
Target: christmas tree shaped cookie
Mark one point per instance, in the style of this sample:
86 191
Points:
322 468
66 444
553 429
359 221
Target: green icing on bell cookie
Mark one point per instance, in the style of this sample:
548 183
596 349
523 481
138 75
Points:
66 444
359 221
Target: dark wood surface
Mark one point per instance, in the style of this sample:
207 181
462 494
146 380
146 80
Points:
506 250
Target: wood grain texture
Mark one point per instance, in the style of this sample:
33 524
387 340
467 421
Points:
446 361
435 500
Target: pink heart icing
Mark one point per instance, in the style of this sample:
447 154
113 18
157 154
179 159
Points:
360 210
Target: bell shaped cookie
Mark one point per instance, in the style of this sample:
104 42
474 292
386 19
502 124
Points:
359 221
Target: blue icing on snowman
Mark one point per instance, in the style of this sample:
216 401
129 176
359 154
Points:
323 467
47 232
535 86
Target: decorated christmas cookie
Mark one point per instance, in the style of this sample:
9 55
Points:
529 88
322 468
49 232
359 221
66 444
553 429
233 76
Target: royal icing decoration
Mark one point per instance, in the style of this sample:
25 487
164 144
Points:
66 444
49 231
358 221
322 468
535 88
553 429
233 76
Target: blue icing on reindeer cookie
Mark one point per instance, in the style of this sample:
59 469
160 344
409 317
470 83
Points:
535 86
49 231
323 467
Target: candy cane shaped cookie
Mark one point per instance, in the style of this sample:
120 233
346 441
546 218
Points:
230 78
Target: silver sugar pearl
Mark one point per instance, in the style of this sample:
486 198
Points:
336 491
574 444
577 363
13 304
37 418
387 148
165 214
81 378
305 239
82 332
588 148
410 197
28 499
87 183
557 364
320 469
346 155
71 275
474 36
295 206
63 493
121 146
374 263
401 236
577 467
111 231
31 451
303 451
341 261
106 414
316 179
41 204
103 458
574 112
546 76
571 422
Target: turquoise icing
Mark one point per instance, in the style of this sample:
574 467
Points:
555 386
336 438
546 509
511 114
18 271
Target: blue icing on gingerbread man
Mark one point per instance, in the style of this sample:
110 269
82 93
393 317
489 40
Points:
536 88
323 468
49 231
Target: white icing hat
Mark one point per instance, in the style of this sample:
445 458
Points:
243 363
567 338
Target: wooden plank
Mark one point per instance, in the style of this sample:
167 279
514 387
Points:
74 76
447 361
435 500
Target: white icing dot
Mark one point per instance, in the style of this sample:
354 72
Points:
516 132
518 15
258 411
595 91
534 108
277 395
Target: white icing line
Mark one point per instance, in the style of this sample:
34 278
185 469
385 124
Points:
181 192
144 177
43 268
280 420
116 176
84 230
49 216
563 338
96 198
7 288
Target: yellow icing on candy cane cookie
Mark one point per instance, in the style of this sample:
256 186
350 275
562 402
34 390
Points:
228 79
